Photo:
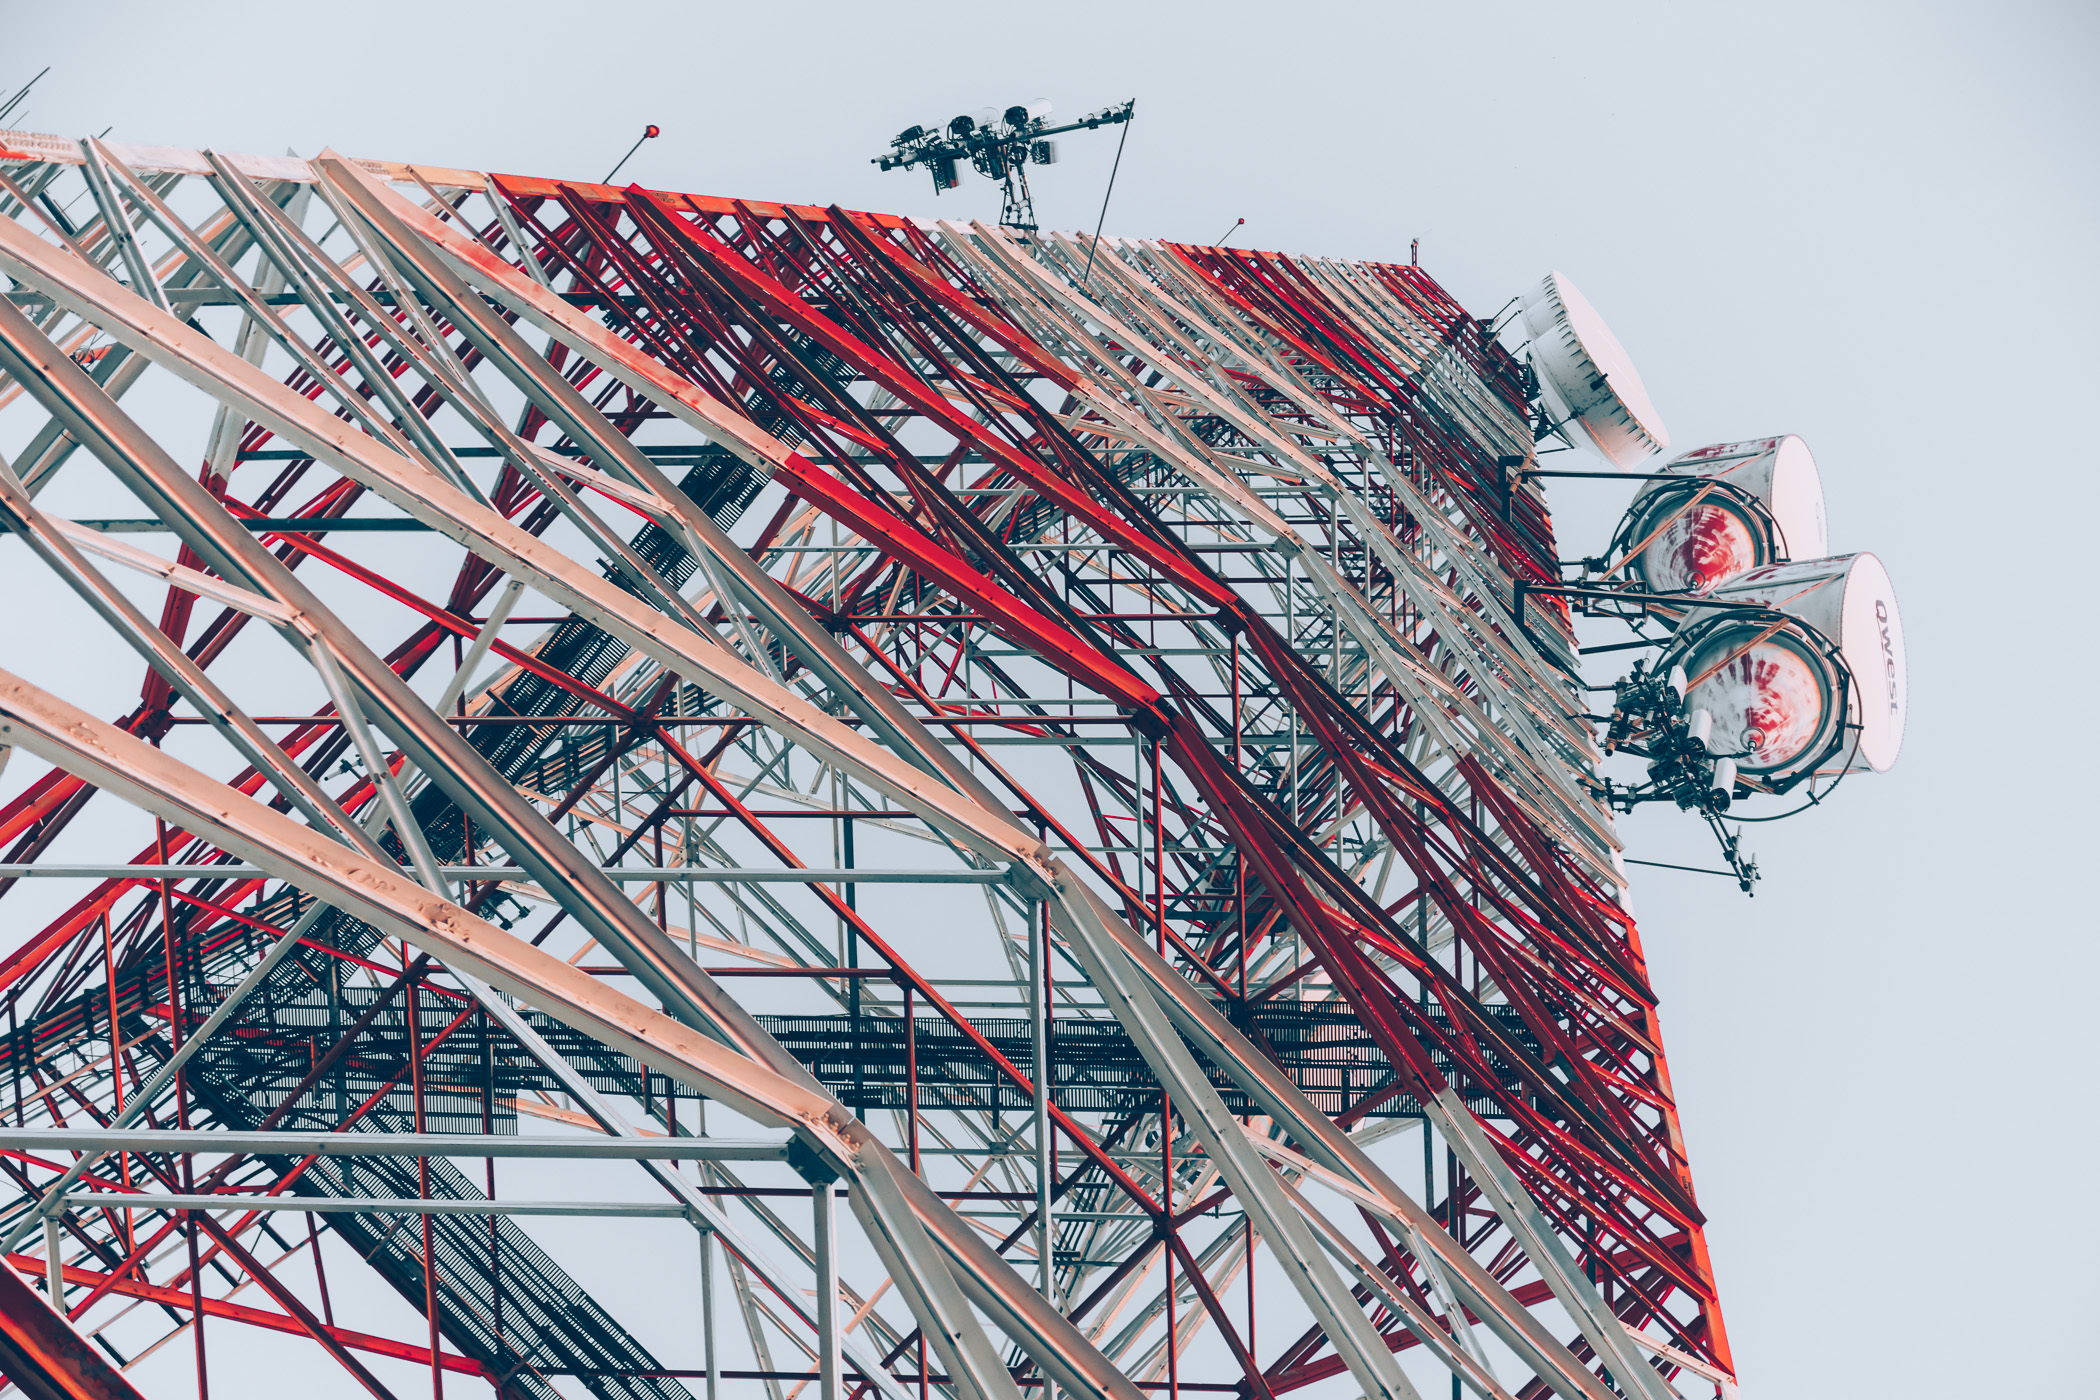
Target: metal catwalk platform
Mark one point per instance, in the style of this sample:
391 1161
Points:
1037 734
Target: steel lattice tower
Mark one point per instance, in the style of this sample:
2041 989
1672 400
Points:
1044 756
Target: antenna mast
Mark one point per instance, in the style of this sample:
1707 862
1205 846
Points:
1001 147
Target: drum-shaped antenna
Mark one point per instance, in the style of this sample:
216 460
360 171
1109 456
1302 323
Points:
1587 377
1722 511
1815 685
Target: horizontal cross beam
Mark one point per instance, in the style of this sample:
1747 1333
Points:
380 1205
685 1149
698 874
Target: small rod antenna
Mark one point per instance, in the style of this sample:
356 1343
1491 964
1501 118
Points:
1229 233
649 132
1102 222
7 109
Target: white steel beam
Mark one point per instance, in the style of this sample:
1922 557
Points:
222 1140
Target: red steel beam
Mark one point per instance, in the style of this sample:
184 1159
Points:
179 1298
44 1356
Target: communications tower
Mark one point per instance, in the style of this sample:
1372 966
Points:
1048 829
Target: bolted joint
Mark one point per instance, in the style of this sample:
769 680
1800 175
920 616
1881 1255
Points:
1031 883
809 1164
1150 721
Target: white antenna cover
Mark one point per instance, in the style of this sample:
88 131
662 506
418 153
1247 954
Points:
1695 542
1781 473
1848 599
1587 375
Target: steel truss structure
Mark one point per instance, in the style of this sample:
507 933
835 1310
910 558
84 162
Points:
1043 755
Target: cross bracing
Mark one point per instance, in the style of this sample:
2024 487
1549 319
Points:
1231 944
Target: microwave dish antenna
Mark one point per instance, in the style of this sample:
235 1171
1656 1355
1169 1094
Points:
1586 377
1720 511
1770 700
1798 675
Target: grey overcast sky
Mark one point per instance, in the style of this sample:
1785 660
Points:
1873 225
